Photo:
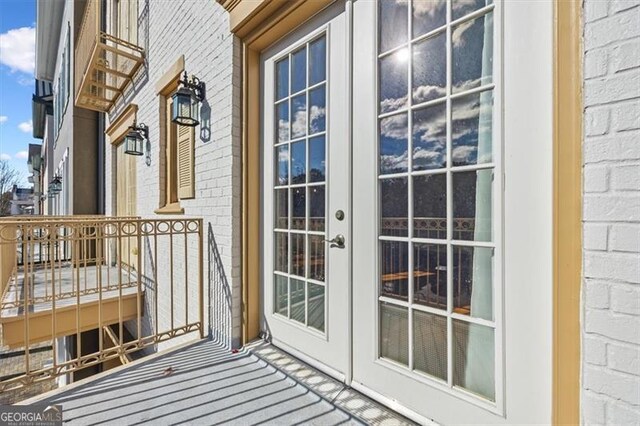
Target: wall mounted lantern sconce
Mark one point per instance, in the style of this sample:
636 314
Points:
134 140
55 186
186 100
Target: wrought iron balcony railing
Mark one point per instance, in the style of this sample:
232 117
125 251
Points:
104 63
132 282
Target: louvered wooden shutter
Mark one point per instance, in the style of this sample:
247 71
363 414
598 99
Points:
186 178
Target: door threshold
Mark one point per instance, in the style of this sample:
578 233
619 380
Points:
356 403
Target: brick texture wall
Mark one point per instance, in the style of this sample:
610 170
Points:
611 284
199 30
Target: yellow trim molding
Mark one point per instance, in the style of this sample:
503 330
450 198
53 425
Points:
118 129
170 76
258 23
567 211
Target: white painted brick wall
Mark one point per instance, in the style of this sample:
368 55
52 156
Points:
199 30
611 287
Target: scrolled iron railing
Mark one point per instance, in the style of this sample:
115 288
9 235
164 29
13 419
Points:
137 282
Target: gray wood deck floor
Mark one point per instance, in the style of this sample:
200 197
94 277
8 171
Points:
211 385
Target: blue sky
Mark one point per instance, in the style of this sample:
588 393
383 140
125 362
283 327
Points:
17 59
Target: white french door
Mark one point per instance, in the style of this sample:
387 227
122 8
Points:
420 134
452 272
306 192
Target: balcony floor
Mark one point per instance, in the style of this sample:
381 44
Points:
207 384
67 279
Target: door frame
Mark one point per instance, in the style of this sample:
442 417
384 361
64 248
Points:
260 23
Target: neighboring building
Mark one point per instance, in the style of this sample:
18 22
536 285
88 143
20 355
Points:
22 201
34 165
42 115
399 193
73 144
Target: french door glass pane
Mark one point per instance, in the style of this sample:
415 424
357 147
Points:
297 255
393 28
460 8
298 162
429 67
282 156
393 81
472 281
317 110
281 295
471 128
430 344
316 257
428 15
430 206
298 70
474 358
317 159
298 208
394 339
472 59
430 137
430 275
436 188
316 208
394 269
299 197
317 61
394 207
282 252
282 79
297 296
298 116
282 121
316 306
472 205
394 144
282 208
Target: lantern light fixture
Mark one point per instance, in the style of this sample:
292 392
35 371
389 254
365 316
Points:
134 140
55 186
186 100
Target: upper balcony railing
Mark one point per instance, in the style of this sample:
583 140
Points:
104 63
112 286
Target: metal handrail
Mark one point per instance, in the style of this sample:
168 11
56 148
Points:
126 268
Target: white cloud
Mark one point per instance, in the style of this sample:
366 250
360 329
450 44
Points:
3 118
22 155
5 157
429 8
299 125
26 126
18 49
458 37
463 153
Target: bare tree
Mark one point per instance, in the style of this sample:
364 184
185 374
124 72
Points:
9 176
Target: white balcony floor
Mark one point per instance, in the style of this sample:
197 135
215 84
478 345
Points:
208 384
89 279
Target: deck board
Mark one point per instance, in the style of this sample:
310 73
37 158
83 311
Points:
211 385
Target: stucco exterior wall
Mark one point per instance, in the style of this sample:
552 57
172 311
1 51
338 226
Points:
200 32
611 213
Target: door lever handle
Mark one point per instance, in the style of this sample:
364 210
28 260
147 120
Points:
337 240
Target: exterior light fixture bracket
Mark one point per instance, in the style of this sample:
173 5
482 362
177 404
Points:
194 84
